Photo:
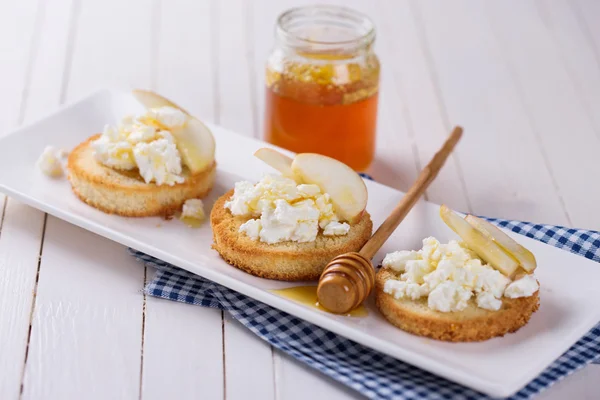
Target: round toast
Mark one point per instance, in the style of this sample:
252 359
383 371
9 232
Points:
286 261
124 192
472 324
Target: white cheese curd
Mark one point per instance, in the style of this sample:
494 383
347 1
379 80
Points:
141 133
325 207
397 260
286 211
523 287
415 291
251 228
117 155
298 222
490 280
144 142
51 161
446 270
335 228
395 288
403 289
168 117
487 301
431 250
449 296
193 209
159 162
239 203
415 271
449 275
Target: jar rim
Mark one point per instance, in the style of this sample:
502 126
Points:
344 15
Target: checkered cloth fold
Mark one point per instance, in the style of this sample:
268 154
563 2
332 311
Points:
371 373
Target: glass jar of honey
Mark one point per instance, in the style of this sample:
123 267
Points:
322 84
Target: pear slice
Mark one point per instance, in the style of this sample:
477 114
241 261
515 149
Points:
485 248
150 99
196 145
194 140
508 244
345 187
277 160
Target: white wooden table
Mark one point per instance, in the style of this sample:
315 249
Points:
522 77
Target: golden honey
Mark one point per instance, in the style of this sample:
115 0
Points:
192 222
307 295
322 85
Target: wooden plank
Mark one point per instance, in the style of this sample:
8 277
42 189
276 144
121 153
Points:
184 54
261 19
183 344
263 16
248 360
416 95
20 226
576 53
396 162
503 169
86 331
111 46
299 382
183 351
17 32
20 236
44 88
86 335
396 157
248 363
52 59
564 131
234 67
588 13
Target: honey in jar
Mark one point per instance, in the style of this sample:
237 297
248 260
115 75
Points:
322 85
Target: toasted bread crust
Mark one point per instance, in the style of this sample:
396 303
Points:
124 192
287 261
470 325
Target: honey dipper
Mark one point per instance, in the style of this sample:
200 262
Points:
349 278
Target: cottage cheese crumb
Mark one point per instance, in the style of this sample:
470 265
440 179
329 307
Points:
449 275
51 162
144 142
281 210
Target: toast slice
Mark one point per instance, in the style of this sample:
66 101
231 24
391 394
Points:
124 192
286 261
469 325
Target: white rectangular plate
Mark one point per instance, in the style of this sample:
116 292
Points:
498 367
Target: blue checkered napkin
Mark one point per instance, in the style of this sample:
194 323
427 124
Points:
371 373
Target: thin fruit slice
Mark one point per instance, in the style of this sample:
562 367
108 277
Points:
196 145
508 244
275 159
485 248
152 100
345 187
194 141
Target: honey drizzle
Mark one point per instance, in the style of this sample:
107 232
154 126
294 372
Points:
307 295
192 222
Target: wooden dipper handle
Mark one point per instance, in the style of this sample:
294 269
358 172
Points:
426 176
349 278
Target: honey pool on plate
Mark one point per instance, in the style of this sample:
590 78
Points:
194 223
307 295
